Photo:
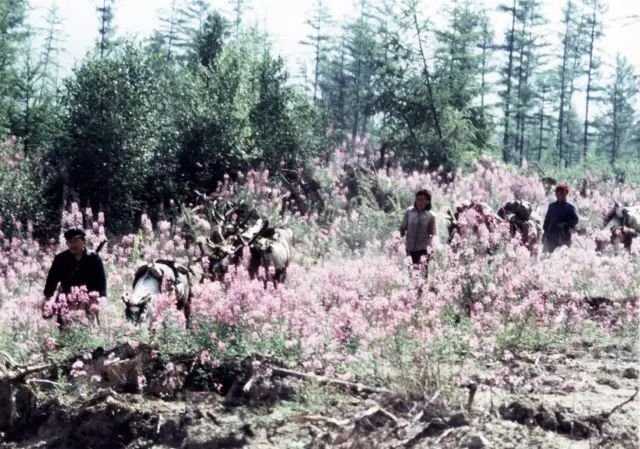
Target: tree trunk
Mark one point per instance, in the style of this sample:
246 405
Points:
541 129
614 140
483 74
507 101
356 112
317 68
585 138
427 78
519 102
341 91
563 76
574 69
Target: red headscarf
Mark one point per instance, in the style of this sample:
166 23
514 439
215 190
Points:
562 188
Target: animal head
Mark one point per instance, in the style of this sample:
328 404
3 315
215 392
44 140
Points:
147 283
548 183
615 216
520 210
618 210
137 311
261 245
219 258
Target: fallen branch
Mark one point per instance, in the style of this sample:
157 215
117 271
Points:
319 433
100 396
283 372
375 409
443 436
319 418
606 416
18 376
49 382
434 397
599 420
10 360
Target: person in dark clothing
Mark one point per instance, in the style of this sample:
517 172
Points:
560 221
75 267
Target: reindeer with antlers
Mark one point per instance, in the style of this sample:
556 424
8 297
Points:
231 233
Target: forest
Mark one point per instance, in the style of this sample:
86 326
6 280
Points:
140 123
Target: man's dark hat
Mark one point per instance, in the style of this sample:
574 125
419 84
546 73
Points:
74 232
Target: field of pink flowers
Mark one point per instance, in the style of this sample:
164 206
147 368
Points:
352 305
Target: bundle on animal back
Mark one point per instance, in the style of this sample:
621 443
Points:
623 224
520 210
469 217
523 222
153 279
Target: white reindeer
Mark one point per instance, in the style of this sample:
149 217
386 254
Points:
271 247
151 280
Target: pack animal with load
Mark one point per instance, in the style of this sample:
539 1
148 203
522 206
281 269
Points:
623 223
152 279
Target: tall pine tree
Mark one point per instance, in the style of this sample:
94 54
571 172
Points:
106 28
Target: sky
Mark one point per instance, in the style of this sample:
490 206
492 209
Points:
284 20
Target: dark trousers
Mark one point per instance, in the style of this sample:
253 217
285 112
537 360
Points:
416 255
415 258
550 245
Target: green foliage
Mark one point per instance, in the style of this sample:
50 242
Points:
599 167
526 335
275 134
618 119
78 340
12 36
138 126
109 133
21 182
458 62
212 124
209 41
36 117
240 112
367 225
172 338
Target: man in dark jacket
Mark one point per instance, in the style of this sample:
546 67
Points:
560 221
75 267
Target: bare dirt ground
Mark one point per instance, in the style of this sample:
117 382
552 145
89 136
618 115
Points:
574 398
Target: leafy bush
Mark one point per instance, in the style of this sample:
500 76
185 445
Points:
22 201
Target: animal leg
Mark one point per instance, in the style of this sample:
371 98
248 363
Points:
627 243
280 275
254 265
187 313
94 318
